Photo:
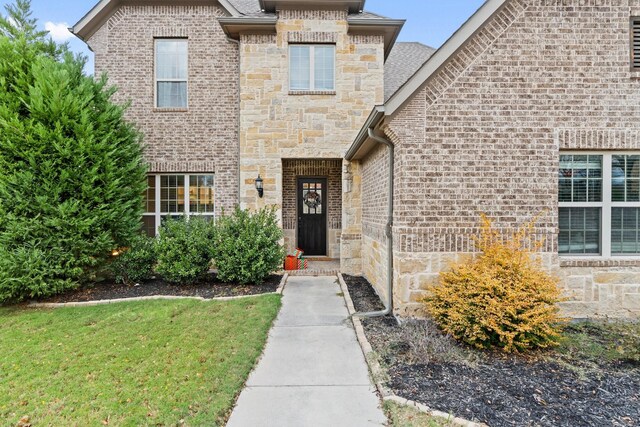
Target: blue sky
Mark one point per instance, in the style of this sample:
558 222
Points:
431 22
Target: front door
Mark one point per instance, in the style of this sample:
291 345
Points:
312 215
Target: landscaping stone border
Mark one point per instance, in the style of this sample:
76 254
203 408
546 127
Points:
377 372
279 291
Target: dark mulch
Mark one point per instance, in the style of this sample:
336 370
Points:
208 288
546 390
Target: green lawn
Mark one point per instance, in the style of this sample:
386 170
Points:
154 363
406 416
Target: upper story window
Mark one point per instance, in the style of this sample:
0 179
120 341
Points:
599 204
312 67
635 43
171 73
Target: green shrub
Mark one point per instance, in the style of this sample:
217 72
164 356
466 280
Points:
247 246
184 249
136 262
503 298
72 168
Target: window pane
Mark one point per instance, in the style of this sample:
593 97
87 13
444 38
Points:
172 193
201 194
625 178
172 94
150 195
300 67
171 59
624 231
324 67
579 231
580 178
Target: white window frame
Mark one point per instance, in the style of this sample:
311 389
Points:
312 68
155 72
606 205
187 208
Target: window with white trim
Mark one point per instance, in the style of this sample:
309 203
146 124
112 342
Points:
312 67
174 195
171 73
599 204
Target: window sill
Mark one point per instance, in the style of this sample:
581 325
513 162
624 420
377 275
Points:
567 261
312 92
635 74
170 110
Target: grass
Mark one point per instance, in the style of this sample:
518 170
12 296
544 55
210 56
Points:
597 342
405 416
130 364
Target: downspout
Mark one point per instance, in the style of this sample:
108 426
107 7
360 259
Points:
389 231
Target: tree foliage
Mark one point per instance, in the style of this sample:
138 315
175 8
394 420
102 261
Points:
72 173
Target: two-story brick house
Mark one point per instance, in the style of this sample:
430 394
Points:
227 91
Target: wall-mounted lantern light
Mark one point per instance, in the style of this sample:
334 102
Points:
259 186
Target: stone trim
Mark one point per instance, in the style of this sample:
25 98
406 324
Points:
463 59
599 139
258 39
170 31
311 92
323 15
454 239
116 18
374 231
170 110
312 37
187 167
365 39
582 262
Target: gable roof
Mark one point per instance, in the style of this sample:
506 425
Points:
89 23
404 60
419 79
442 55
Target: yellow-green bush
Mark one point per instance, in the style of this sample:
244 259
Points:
502 298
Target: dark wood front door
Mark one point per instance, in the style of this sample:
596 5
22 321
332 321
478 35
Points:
312 215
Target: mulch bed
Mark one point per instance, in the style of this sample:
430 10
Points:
208 288
493 388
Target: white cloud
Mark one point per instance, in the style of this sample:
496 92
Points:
59 31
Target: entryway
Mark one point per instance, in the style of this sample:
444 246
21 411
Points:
312 216
312 206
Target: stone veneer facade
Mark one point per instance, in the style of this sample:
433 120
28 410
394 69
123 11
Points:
284 134
485 135
201 138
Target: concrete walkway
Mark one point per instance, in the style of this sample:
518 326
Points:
312 372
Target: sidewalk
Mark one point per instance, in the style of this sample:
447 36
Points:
313 372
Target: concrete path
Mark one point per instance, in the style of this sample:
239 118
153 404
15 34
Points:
312 372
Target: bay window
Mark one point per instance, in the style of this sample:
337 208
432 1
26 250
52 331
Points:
599 204
174 195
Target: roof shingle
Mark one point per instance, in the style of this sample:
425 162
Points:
403 62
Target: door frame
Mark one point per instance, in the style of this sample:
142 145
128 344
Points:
326 218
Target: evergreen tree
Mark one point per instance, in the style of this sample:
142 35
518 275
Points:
71 167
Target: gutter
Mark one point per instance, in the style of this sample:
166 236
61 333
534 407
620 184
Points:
389 228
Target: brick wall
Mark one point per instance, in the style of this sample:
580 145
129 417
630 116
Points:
484 135
203 138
